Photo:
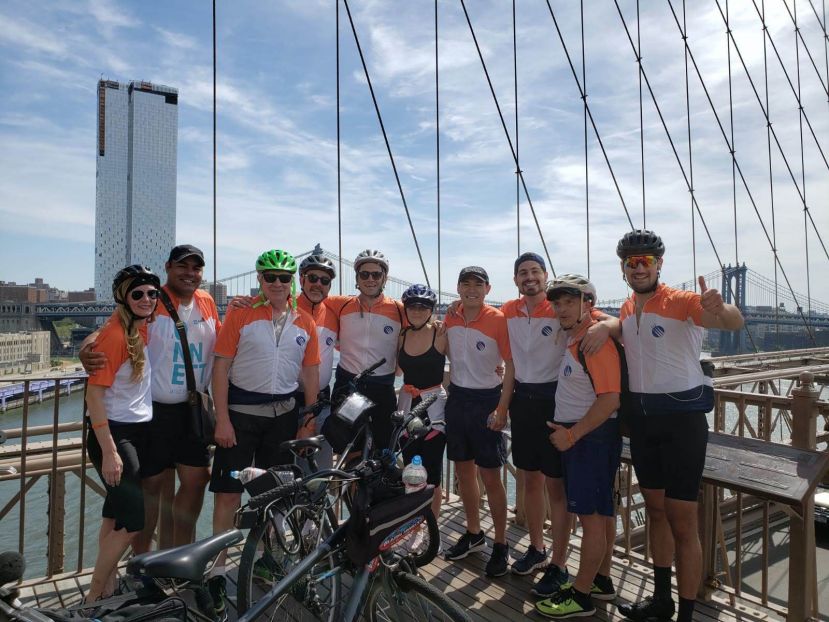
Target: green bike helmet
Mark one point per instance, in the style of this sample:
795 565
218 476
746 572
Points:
276 260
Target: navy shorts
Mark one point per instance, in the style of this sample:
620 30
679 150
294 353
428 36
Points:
171 441
531 446
385 403
668 452
257 444
124 503
431 450
590 470
467 434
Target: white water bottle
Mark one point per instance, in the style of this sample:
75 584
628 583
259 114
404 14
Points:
247 474
414 475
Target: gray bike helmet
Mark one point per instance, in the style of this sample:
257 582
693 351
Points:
573 284
371 256
318 262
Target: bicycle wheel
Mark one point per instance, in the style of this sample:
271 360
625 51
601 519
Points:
410 598
422 546
268 555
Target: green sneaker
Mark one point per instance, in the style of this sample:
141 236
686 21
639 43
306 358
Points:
564 605
262 571
218 592
601 589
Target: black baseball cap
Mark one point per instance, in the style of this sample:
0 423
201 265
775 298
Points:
476 271
183 251
529 257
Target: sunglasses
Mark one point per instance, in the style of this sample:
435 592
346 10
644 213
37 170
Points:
644 260
374 275
138 294
272 278
313 278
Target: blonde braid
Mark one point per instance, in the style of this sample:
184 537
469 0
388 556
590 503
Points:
135 343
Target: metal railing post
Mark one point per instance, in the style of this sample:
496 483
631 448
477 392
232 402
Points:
802 560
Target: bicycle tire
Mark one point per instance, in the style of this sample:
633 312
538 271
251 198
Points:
415 600
308 600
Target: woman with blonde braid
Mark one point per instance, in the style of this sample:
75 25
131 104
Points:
120 408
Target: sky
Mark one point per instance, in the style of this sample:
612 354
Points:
277 134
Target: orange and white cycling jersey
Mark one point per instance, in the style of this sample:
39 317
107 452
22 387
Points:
576 393
367 335
535 342
260 363
477 348
125 401
201 323
663 350
327 329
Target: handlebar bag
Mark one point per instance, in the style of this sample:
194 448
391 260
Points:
372 522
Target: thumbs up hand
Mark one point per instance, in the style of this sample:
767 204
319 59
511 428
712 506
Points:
561 436
711 300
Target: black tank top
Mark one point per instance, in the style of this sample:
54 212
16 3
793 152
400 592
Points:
424 370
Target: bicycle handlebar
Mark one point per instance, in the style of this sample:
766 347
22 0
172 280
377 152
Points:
368 371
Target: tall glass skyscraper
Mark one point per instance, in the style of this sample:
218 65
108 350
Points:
135 189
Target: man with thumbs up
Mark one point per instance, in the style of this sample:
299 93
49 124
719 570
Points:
662 330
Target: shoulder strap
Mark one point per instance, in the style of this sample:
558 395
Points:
182 336
583 362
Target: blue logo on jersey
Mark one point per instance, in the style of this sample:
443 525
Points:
568 370
329 341
657 331
388 330
480 345
547 331
300 340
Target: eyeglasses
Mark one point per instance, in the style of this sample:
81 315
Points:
313 278
644 260
138 294
375 275
270 277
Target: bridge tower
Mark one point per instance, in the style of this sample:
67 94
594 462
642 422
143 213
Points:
733 292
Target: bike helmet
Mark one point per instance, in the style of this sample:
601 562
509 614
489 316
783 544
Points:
640 242
137 275
573 284
419 295
276 260
371 256
317 261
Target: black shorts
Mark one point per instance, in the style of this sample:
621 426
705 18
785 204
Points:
467 434
171 442
124 503
257 444
531 446
430 449
385 403
668 452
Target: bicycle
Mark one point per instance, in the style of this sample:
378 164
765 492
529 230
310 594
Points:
384 583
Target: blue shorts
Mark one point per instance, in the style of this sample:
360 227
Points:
467 434
590 470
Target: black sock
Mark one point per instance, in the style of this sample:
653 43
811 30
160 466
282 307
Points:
686 609
662 582
603 581
582 599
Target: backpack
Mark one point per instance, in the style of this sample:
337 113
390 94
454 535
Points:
626 400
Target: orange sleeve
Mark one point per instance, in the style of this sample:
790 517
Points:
694 302
113 343
228 340
604 368
502 337
335 304
312 350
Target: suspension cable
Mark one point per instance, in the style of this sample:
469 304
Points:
339 171
799 35
802 164
215 261
642 118
586 168
386 139
731 127
437 140
589 113
506 133
691 190
517 152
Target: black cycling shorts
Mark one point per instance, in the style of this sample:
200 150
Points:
531 446
171 442
668 452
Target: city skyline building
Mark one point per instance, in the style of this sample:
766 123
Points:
135 187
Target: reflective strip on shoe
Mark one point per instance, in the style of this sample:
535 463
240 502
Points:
564 608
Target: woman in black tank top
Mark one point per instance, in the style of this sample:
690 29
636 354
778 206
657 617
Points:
421 359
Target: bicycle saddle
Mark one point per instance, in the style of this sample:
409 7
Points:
187 562
313 443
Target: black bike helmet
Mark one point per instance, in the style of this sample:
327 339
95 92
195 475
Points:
139 275
640 242
316 261
419 295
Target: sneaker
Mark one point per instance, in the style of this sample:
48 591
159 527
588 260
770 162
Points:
262 571
603 589
532 560
564 605
466 544
498 561
218 592
551 582
651 608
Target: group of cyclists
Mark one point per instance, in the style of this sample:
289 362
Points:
547 363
